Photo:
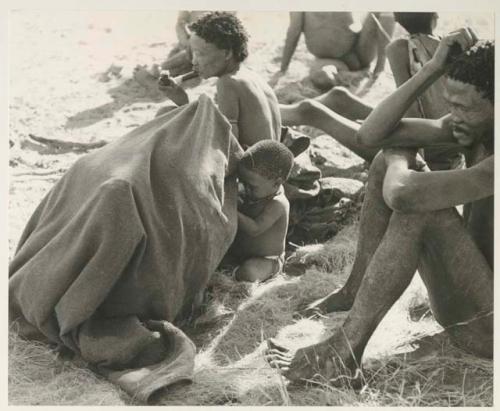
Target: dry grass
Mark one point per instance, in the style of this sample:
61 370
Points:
62 99
230 368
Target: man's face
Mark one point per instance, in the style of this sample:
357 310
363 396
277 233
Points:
208 59
472 114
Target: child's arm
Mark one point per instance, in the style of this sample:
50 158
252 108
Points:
264 221
397 54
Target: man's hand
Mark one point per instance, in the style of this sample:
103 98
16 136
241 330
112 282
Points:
455 42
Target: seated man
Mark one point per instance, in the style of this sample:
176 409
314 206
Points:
408 219
263 214
219 46
339 42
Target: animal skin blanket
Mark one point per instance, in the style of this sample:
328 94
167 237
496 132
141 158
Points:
120 248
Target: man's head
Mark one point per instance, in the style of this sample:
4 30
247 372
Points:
264 167
218 43
470 88
417 22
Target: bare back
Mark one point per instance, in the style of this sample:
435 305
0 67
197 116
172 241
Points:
258 115
329 35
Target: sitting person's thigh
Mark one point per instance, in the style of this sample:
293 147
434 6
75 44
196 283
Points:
458 280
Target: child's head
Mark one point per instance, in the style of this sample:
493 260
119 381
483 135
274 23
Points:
264 167
216 38
417 22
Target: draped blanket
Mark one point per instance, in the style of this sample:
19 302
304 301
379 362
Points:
120 248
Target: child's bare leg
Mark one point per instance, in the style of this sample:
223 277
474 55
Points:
313 113
257 269
373 223
343 102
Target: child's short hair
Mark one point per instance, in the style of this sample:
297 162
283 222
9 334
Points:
475 66
269 158
225 31
415 22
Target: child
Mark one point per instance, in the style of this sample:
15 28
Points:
263 212
406 56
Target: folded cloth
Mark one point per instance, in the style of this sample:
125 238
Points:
131 233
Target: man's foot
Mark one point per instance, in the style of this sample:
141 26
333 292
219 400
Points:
339 300
322 363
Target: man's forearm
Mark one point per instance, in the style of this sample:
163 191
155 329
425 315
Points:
387 114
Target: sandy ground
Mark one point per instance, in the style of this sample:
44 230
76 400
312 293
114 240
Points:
55 62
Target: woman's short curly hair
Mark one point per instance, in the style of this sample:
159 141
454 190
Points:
475 66
225 31
269 158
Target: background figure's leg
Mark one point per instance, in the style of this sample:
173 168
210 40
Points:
459 281
324 72
313 113
372 40
373 223
343 102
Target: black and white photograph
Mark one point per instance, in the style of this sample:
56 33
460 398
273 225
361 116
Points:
234 206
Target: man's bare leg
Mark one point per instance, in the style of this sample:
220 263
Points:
432 237
373 223
338 99
385 280
313 113
460 283
343 102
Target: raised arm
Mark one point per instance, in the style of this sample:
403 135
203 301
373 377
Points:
411 191
397 54
383 120
292 38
